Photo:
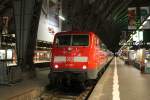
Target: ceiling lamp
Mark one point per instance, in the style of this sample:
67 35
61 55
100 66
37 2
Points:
148 18
62 18
140 27
145 22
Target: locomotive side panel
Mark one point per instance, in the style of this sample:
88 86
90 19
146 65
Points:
95 60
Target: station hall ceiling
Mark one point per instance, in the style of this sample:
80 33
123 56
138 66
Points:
108 18
5 5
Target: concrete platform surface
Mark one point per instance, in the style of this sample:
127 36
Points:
30 88
122 82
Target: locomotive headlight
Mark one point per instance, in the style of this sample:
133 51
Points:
84 67
56 66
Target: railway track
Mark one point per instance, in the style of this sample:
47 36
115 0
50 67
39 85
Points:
58 94
72 93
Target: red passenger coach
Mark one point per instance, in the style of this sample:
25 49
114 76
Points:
76 55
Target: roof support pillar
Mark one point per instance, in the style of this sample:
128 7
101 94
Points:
26 13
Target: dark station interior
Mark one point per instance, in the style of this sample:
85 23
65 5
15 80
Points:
74 49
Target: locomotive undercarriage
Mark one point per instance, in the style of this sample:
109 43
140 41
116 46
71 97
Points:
66 77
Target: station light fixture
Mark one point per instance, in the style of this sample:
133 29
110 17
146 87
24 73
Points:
140 27
145 22
148 18
62 18
133 32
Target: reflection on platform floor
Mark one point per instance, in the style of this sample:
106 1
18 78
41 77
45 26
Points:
132 85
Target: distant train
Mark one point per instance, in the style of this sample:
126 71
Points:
76 55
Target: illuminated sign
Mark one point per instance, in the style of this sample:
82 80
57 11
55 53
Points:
138 36
132 18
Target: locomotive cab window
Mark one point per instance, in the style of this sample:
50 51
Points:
72 40
80 40
63 40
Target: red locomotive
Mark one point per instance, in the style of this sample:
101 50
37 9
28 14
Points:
76 55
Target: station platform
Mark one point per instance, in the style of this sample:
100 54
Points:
122 82
26 89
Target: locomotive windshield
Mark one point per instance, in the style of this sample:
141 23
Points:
72 40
